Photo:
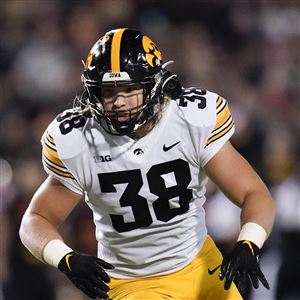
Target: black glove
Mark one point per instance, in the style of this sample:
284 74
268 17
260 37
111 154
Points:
241 266
87 273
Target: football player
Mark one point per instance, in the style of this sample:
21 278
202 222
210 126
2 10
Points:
140 149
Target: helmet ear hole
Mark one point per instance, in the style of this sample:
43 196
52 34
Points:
172 87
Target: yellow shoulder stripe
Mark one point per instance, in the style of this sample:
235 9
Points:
219 102
58 172
222 116
221 124
50 138
52 155
221 133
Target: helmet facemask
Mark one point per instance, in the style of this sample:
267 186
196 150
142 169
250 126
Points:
136 116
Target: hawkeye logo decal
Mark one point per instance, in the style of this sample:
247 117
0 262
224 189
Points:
101 42
153 55
138 151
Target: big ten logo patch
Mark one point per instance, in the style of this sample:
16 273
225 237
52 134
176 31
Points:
102 158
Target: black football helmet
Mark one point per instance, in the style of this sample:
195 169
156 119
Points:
124 57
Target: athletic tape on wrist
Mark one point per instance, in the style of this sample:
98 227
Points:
253 233
54 251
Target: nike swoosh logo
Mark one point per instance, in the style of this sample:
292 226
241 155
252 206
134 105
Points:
165 148
210 272
249 245
68 256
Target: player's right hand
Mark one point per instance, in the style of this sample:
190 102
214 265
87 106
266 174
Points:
87 273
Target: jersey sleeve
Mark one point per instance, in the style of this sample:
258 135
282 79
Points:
221 132
53 164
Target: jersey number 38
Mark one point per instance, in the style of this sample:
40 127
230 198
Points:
157 186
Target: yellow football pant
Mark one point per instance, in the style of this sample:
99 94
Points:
190 283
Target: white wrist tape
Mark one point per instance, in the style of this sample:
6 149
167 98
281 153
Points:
54 251
253 233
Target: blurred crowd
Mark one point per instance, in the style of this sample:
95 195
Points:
248 51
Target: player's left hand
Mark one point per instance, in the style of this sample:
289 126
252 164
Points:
241 265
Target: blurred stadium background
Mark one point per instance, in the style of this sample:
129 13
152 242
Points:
246 50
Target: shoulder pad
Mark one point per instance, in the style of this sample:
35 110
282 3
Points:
198 106
66 131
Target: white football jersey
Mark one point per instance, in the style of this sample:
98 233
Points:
146 195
